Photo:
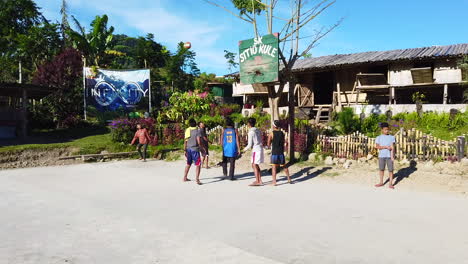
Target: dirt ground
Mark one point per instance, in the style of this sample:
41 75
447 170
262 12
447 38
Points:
443 177
123 212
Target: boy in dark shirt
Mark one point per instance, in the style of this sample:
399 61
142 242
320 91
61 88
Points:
277 143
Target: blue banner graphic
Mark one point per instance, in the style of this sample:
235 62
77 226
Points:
109 90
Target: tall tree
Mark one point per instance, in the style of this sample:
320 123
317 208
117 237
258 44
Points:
301 15
94 44
231 60
16 18
65 25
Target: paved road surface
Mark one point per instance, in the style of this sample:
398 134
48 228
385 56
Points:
133 212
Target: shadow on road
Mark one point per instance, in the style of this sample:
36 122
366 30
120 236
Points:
296 177
404 173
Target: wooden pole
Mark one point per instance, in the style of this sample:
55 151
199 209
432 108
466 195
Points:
20 73
24 124
338 90
445 93
84 88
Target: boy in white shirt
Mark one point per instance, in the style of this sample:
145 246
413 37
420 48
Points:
255 143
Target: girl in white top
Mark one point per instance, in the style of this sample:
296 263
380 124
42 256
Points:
255 143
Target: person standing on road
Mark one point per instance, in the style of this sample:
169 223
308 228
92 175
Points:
255 143
230 143
204 144
385 144
192 150
143 139
277 143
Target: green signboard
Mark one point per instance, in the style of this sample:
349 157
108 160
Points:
258 59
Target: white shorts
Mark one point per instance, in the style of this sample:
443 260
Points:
257 156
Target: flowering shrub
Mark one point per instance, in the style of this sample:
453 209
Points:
73 121
228 109
300 142
172 133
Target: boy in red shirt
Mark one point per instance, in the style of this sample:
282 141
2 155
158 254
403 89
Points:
143 139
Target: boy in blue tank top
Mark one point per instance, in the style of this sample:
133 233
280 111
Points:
230 148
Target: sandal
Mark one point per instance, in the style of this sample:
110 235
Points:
255 184
199 183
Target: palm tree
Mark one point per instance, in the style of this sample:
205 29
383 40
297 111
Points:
94 44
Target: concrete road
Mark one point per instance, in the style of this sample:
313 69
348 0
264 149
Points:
134 212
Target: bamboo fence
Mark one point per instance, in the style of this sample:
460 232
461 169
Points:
410 144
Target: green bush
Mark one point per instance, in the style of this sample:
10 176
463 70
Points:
346 121
371 124
212 121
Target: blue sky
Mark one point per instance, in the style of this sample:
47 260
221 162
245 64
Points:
368 25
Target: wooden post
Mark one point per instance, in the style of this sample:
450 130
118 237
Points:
24 124
445 93
84 88
460 147
338 90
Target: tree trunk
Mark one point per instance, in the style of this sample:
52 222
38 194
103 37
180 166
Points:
273 102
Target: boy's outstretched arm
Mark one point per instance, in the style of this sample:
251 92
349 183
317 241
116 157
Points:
269 140
237 142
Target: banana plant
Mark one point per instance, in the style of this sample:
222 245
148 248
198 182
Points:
94 44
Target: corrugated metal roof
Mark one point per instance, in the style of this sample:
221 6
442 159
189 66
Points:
456 50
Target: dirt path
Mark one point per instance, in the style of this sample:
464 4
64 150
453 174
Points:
133 212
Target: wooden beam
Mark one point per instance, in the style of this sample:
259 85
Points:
338 90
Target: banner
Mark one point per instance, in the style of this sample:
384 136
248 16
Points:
109 90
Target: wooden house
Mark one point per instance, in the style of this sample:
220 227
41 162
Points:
375 82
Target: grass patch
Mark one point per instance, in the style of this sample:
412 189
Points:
91 140
330 174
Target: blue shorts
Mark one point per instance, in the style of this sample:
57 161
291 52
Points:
193 157
278 160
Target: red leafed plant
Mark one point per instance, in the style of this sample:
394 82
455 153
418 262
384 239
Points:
63 74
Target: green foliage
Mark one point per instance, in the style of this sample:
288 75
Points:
186 105
200 82
418 97
95 43
212 121
463 64
39 44
17 17
248 6
440 125
346 121
231 60
370 125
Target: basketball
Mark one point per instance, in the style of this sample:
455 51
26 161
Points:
187 45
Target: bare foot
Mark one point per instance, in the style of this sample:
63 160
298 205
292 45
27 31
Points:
199 182
273 184
391 186
186 180
379 185
255 184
